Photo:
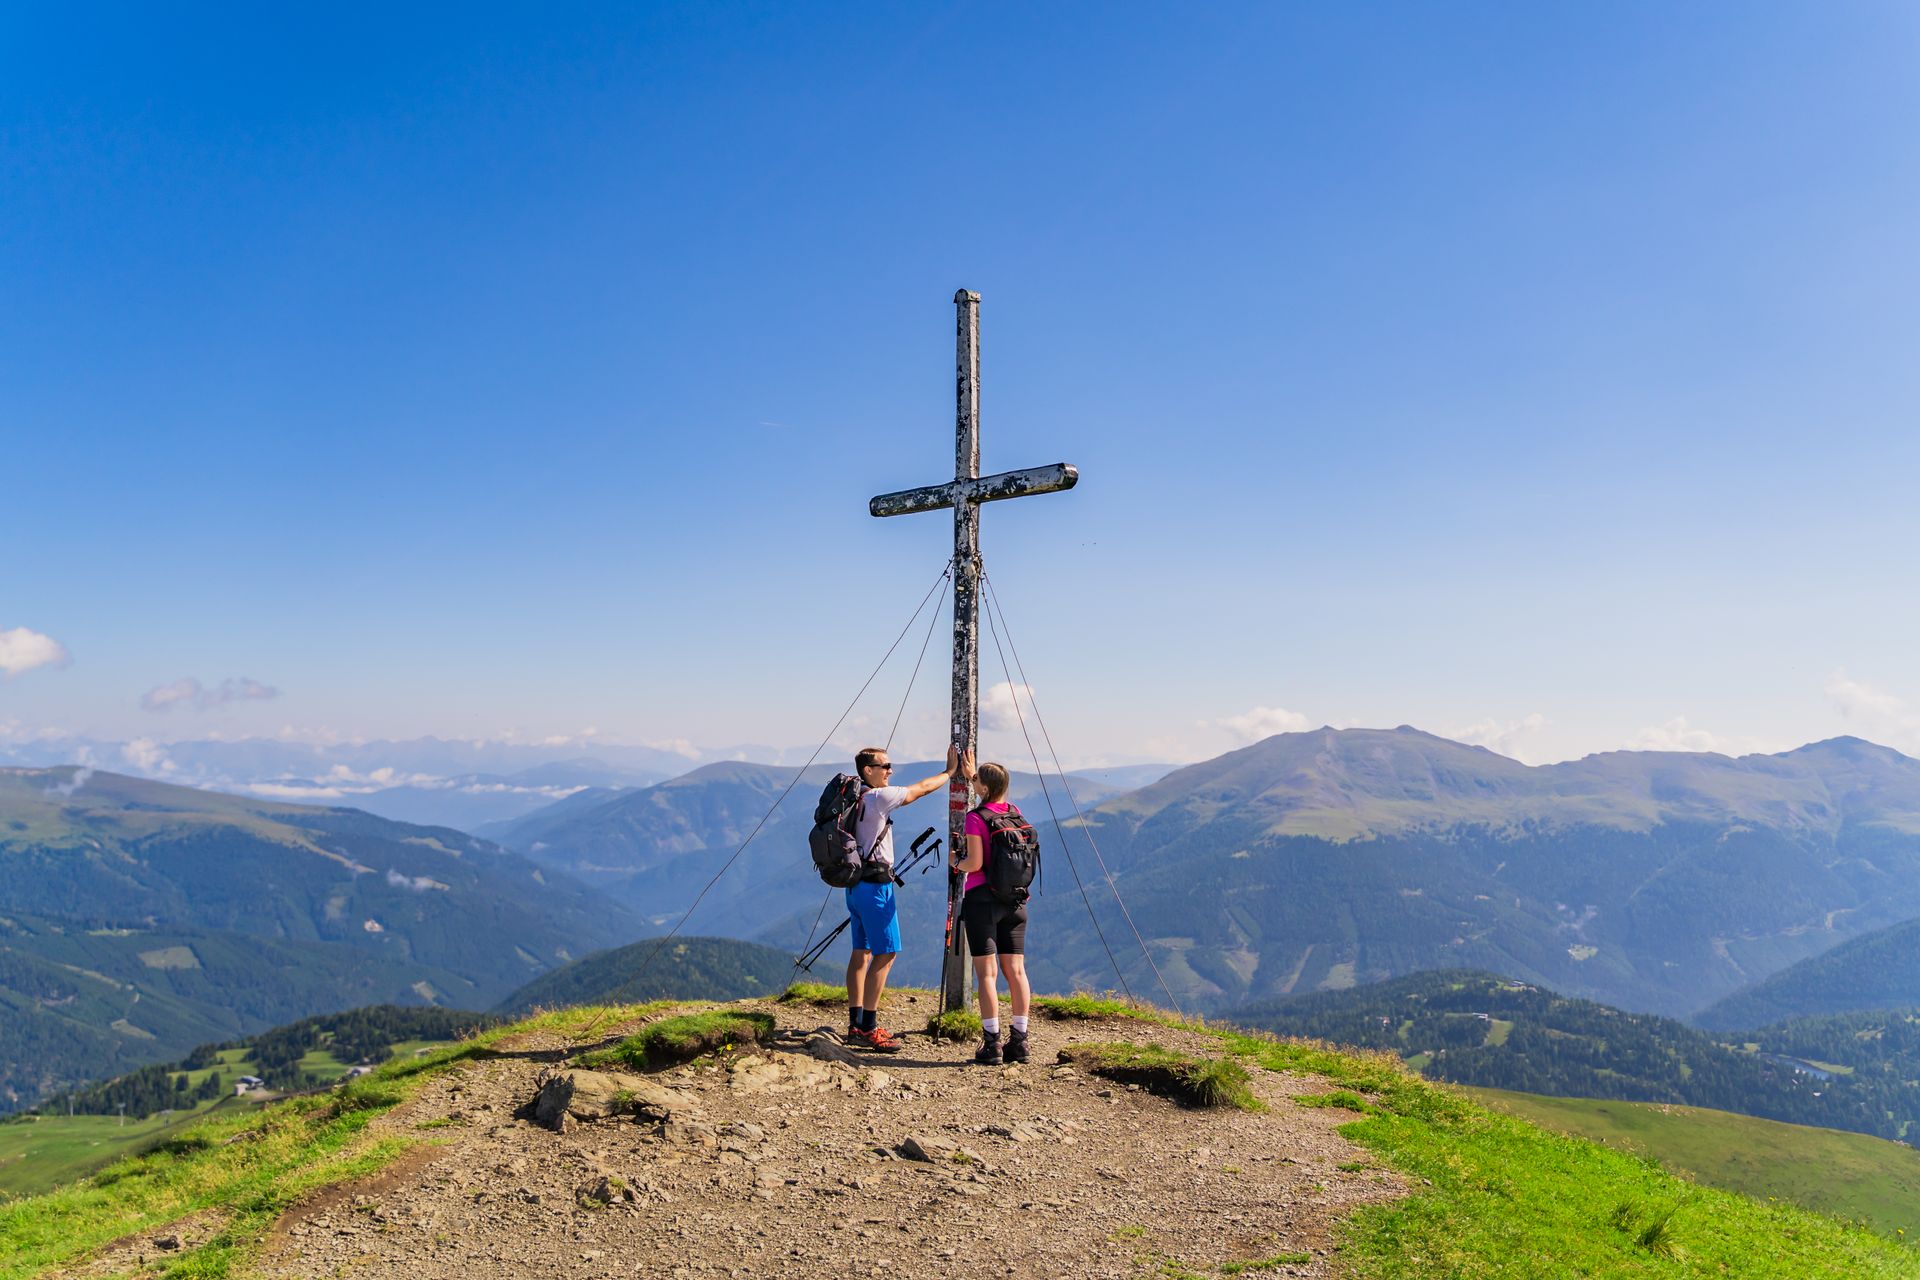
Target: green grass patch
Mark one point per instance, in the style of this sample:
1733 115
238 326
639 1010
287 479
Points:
680 1039
1191 1081
820 994
1849 1175
586 1021
955 1024
1346 1099
1265 1264
249 1164
1082 1007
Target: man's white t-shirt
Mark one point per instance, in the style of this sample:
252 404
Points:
872 823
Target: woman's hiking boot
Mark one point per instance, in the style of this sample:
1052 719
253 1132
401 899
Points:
988 1055
879 1039
1016 1050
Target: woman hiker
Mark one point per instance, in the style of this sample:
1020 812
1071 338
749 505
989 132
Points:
996 927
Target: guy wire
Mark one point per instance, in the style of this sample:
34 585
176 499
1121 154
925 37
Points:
993 607
933 620
653 955
1060 834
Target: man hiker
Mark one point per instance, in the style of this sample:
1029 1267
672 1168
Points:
871 904
996 920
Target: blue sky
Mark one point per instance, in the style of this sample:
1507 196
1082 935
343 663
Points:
1541 375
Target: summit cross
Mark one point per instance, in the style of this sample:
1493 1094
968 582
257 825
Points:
965 493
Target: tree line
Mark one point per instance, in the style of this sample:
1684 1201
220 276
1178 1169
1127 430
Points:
356 1036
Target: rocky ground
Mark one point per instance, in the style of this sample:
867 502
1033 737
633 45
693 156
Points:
805 1159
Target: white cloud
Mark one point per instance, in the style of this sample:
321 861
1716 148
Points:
147 756
22 650
1004 704
1262 722
73 784
189 692
679 747
1507 738
1881 715
1677 735
419 884
293 791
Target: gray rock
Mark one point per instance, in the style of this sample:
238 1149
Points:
827 1047
603 1095
929 1150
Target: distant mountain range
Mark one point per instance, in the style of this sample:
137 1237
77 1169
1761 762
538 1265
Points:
138 919
1649 880
464 784
433 781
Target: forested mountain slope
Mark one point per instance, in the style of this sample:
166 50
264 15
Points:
138 919
1481 1029
1878 970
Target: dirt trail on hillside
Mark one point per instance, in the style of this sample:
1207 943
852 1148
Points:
779 1164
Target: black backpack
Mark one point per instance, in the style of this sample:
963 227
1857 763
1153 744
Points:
837 855
1013 854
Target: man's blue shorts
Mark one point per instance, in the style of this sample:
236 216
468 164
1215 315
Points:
876 918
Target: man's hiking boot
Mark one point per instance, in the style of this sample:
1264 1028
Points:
988 1055
880 1040
1016 1046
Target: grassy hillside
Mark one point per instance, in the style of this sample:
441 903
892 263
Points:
108 1121
1848 1175
1878 970
39 1153
1491 1196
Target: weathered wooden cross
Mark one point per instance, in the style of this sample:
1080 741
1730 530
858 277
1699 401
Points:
965 494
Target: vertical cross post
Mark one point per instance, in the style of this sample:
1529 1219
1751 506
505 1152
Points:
954 987
968 490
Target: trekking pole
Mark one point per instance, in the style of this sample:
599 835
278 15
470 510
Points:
807 960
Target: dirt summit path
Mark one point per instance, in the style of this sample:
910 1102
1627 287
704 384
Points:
788 1162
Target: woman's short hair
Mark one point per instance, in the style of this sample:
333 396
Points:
993 782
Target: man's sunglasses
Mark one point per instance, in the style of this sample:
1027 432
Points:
887 768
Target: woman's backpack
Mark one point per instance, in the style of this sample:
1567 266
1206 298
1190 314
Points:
1013 854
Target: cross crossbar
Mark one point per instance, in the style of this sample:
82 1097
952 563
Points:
1007 484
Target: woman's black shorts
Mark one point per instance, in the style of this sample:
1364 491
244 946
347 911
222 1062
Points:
993 926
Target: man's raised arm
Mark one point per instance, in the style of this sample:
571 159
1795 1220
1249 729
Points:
927 786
